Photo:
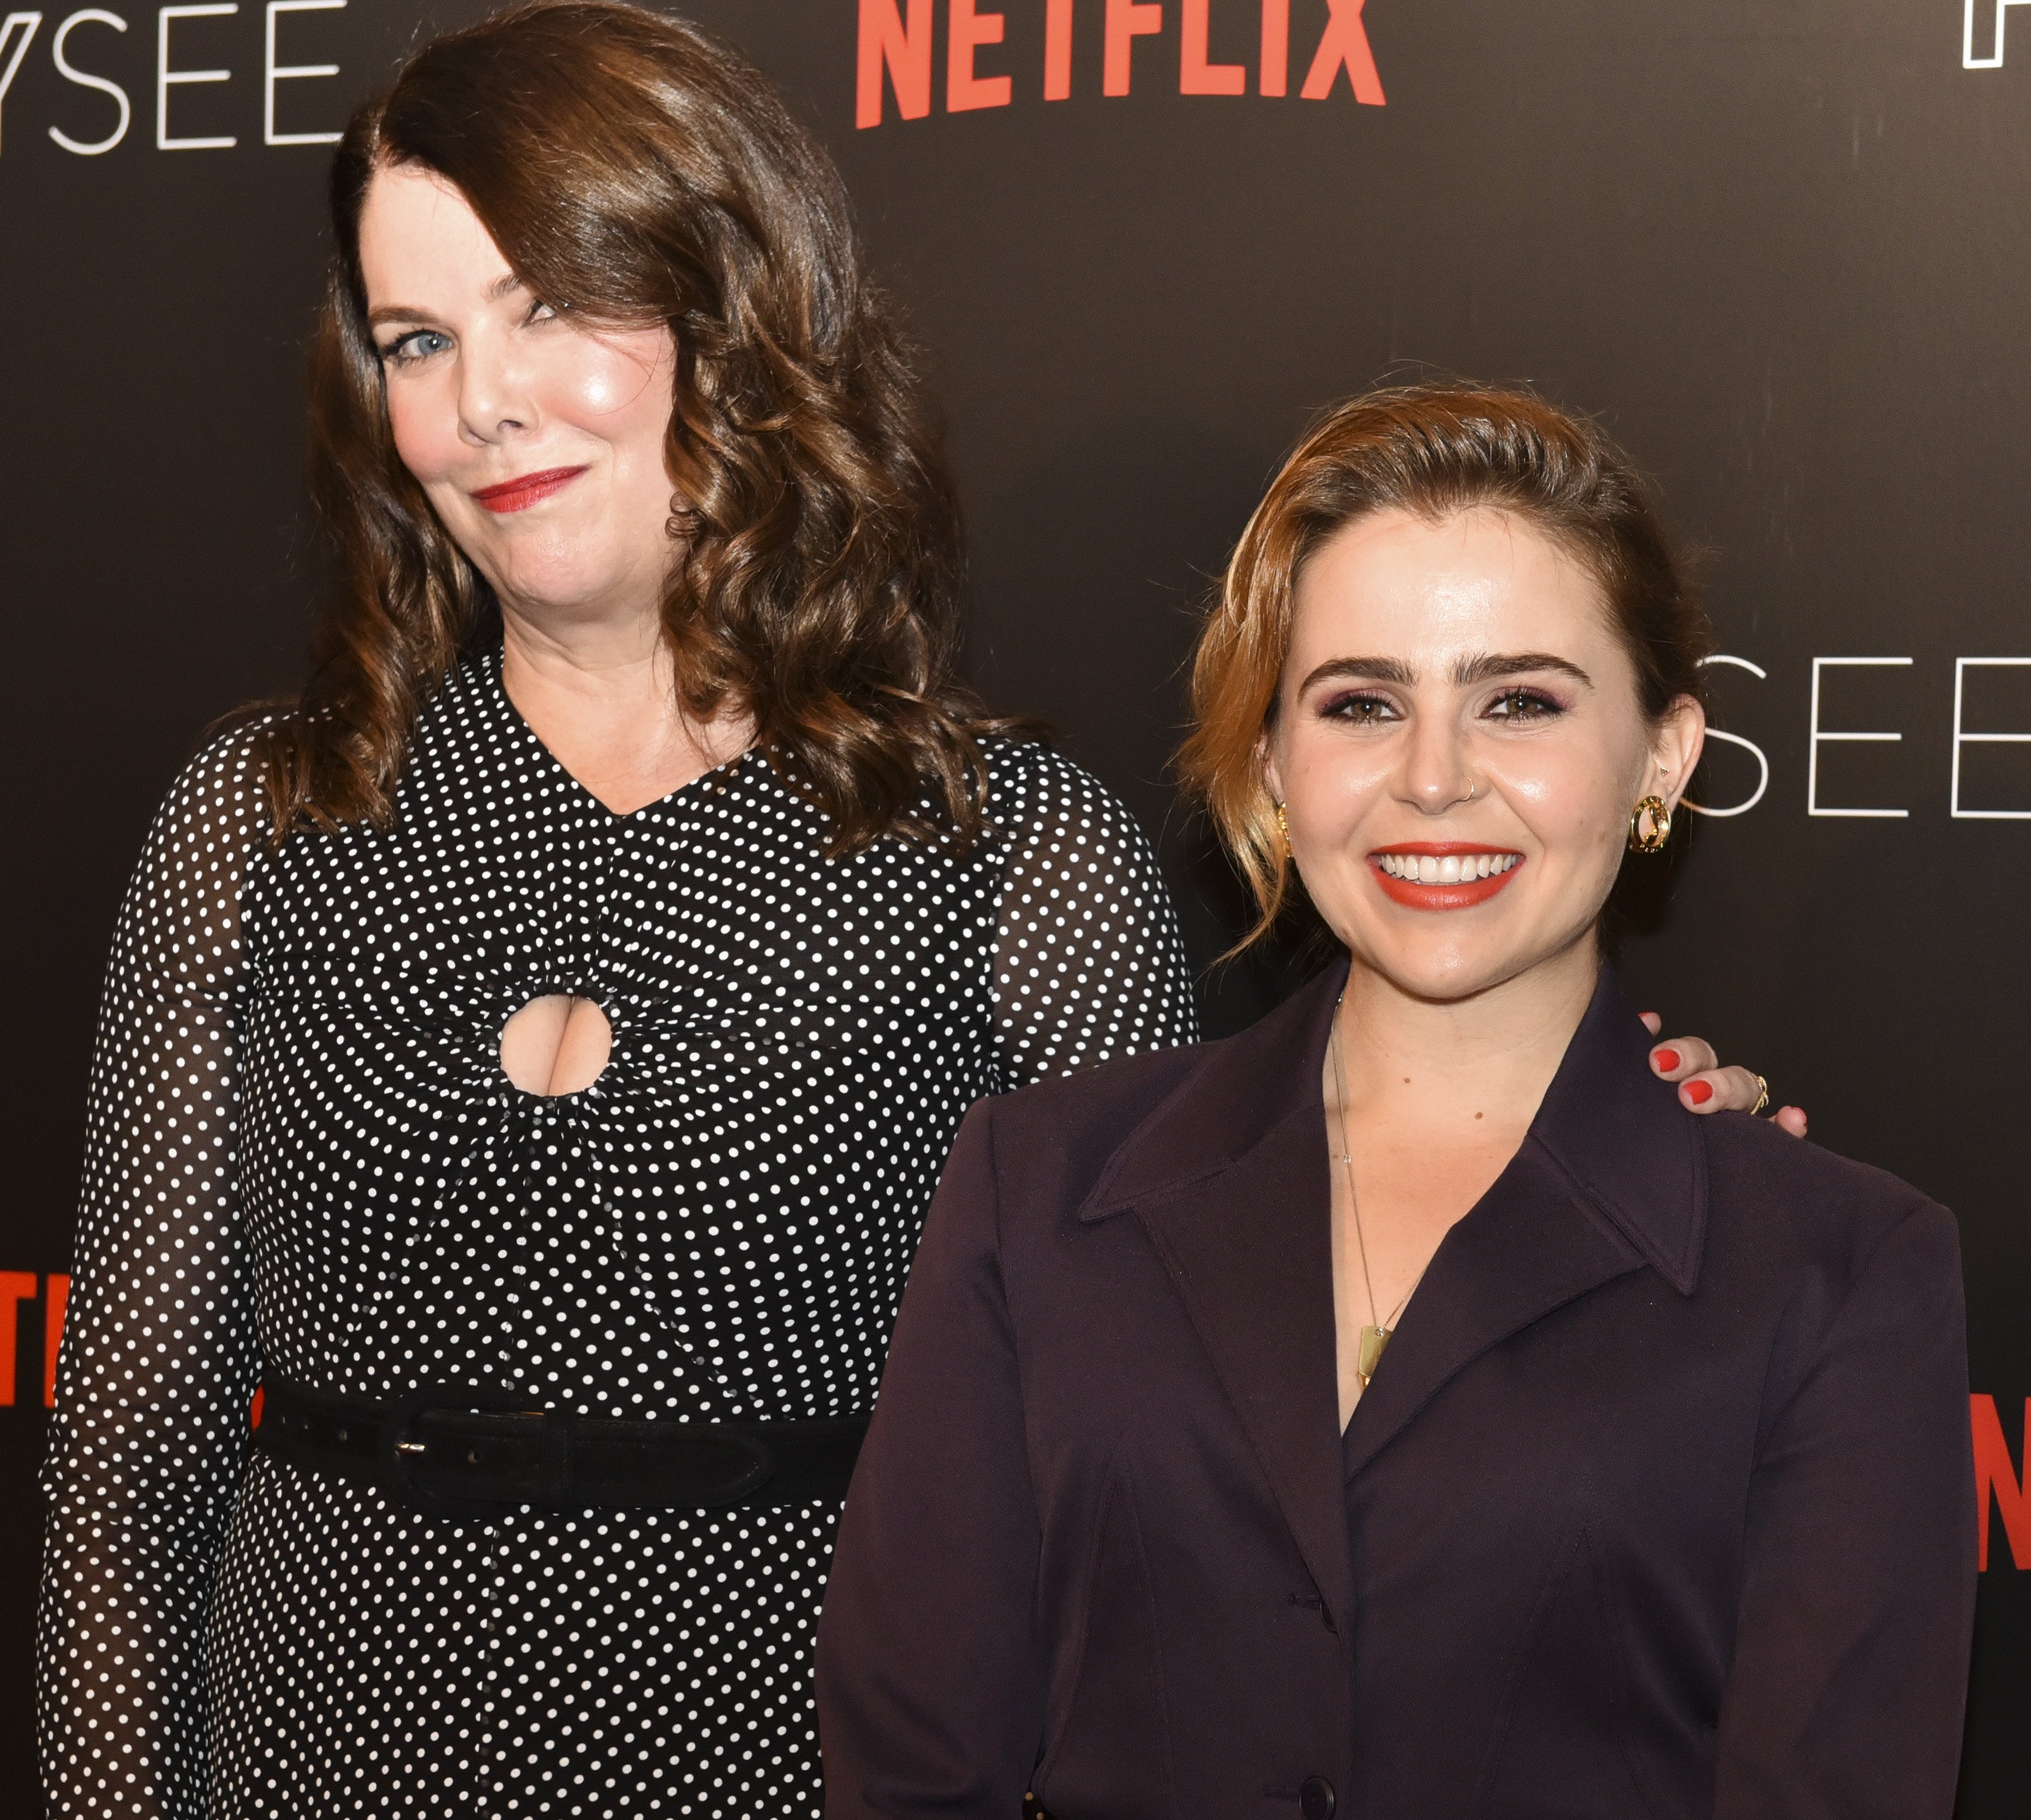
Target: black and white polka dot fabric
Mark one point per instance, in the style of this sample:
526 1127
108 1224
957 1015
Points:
304 1156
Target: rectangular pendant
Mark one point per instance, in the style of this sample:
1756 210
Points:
1370 1353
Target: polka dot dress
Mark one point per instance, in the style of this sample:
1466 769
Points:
304 1156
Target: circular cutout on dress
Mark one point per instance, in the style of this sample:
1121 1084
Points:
556 1044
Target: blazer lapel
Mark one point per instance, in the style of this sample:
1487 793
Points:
1250 1254
1229 1179
1525 1250
1610 1178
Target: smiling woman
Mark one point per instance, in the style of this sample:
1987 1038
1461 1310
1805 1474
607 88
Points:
540 439
1408 1407
619 343
526 1058
1429 498
487 387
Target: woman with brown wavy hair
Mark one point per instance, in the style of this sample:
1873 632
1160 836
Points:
527 1061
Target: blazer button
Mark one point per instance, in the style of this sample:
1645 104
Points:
1315 1798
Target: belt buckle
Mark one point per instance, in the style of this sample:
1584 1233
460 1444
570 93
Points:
514 1456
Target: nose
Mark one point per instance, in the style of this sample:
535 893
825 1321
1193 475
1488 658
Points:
1436 774
495 398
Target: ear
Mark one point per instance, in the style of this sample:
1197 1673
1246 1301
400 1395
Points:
1681 735
1273 773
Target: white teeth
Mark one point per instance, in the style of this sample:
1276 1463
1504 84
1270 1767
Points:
1454 869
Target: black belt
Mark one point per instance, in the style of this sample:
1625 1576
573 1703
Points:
461 1452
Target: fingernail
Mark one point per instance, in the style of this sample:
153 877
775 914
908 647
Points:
1699 1092
1666 1059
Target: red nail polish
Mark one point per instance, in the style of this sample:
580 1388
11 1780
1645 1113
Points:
1699 1092
1667 1059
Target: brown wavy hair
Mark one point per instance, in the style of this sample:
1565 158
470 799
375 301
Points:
632 168
1435 450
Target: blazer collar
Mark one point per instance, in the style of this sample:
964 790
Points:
1229 1177
1245 1091
1633 1154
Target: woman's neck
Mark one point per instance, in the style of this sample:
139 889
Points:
618 656
601 695
1418 1061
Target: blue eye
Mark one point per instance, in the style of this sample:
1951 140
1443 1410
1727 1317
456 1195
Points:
418 345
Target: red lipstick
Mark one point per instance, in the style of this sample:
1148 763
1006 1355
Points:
1455 892
523 491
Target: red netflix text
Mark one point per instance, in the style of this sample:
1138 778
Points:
896 54
24 1289
2000 1488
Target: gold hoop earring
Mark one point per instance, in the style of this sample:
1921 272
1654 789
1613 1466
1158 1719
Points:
1659 813
1284 825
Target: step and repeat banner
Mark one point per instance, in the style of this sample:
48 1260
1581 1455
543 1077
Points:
1783 247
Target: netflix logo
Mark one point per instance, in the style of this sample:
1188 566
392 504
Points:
897 53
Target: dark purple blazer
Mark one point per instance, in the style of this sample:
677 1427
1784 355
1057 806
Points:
1661 1503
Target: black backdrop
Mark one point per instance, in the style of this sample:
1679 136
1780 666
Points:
1781 245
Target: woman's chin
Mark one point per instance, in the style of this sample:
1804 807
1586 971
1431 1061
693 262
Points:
1453 970
565 591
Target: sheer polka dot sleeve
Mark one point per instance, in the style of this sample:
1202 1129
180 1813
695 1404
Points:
158 1359
1088 962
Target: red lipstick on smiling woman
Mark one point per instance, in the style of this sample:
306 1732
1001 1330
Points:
1459 885
525 490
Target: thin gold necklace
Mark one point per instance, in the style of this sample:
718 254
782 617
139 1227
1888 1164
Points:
1375 1336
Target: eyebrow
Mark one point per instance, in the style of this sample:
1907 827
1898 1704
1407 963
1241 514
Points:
1487 667
388 313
